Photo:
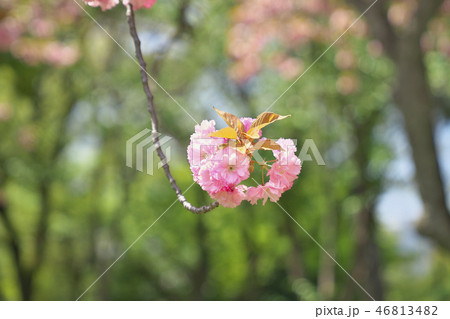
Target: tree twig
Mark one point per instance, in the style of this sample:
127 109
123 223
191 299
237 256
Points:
154 120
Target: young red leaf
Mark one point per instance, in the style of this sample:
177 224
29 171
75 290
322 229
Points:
232 121
261 121
266 145
226 132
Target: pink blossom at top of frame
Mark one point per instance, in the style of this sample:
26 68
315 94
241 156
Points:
104 4
109 4
139 4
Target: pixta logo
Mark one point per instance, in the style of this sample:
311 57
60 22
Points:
304 154
141 151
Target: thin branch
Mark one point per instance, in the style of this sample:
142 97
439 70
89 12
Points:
23 274
154 120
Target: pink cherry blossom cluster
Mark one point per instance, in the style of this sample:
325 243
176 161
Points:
220 168
108 4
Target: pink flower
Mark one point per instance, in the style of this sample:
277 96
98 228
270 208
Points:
108 4
202 146
202 149
247 121
207 181
284 171
204 129
219 170
138 4
287 146
230 196
268 190
221 173
104 4
254 194
230 166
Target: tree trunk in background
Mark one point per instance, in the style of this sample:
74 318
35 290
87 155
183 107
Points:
24 277
413 97
367 266
367 260
294 263
326 274
326 277
201 271
252 289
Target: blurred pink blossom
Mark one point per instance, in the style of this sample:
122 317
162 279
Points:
10 31
60 54
139 4
104 4
109 4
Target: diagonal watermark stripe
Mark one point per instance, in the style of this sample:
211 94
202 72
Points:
129 247
320 56
146 145
134 60
321 247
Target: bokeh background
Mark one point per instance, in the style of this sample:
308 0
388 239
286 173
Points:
376 104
